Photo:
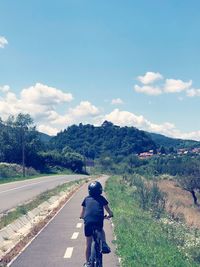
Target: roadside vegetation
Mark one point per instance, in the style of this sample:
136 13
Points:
145 234
25 208
22 144
11 172
184 169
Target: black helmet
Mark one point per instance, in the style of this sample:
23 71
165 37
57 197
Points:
95 188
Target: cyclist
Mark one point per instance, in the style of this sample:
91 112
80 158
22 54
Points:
93 214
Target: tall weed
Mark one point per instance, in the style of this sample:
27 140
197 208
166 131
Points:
148 195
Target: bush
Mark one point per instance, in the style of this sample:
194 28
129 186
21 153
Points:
8 170
149 196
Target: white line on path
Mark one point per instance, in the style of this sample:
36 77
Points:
68 253
75 235
11 262
79 225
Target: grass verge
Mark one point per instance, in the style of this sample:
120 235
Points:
21 178
141 240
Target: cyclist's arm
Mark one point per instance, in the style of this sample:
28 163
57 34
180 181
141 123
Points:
82 213
109 211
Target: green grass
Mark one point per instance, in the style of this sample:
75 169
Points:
23 209
141 240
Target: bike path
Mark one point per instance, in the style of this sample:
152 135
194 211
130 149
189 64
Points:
62 242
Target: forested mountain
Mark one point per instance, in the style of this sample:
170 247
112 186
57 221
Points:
168 142
107 139
44 137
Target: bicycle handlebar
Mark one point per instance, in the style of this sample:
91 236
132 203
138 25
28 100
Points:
106 217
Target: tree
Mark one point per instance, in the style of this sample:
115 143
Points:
162 150
20 142
191 184
74 161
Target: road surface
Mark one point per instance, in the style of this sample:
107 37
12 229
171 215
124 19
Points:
13 194
62 243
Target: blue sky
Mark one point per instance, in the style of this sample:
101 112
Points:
134 63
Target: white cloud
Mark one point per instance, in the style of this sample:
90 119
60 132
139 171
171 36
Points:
4 88
85 108
47 129
45 103
126 118
3 42
117 101
45 95
176 86
40 101
193 92
195 135
149 90
167 86
150 77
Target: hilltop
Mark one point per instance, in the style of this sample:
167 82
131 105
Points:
107 139
111 140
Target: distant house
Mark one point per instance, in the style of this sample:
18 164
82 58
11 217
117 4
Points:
182 151
145 155
196 150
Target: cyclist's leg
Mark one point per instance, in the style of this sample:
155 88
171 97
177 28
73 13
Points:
105 247
88 235
88 247
103 235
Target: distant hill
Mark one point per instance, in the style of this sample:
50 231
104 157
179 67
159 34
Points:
107 139
111 140
167 142
45 137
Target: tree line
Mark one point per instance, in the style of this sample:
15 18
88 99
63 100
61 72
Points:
21 143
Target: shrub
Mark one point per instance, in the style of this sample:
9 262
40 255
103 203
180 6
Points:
148 195
8 170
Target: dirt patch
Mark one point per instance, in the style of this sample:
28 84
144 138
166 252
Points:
179 203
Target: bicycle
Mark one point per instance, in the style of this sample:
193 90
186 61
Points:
96 256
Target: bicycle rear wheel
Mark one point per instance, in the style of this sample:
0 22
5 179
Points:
93 255
96 257
100 261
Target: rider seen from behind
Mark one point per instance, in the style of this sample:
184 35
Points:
93 214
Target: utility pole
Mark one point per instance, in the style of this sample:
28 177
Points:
23 150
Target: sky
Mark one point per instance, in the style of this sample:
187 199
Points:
133 62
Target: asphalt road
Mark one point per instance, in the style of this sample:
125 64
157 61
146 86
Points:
62 243
13 194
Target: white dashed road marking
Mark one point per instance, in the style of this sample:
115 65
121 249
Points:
75 235
68 253
79 225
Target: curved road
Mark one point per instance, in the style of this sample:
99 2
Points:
13 194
